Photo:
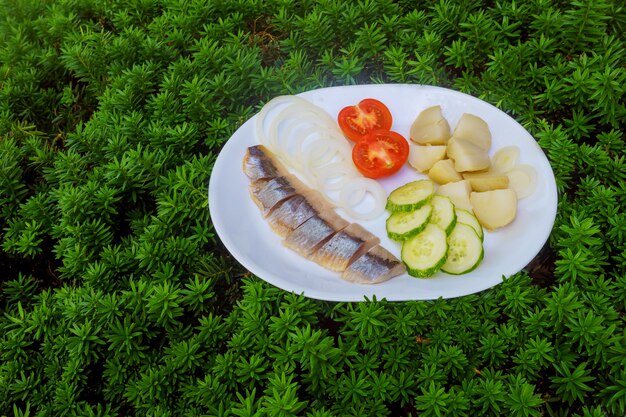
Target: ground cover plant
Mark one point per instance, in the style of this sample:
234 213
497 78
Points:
117 297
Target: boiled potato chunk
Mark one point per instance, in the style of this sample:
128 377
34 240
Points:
430 127
443 172
486 181
473 129
494 209
467 156
458 192
423 157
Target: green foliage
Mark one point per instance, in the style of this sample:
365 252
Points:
118 299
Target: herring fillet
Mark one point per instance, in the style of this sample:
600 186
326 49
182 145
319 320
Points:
314 232
311 227
267 194
344 247
377 265
259 165
294 211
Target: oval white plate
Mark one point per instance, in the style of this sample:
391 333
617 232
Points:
250 240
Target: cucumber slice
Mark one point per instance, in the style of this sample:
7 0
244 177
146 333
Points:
465 250
402 225
426 252
464 216
443 215
411 196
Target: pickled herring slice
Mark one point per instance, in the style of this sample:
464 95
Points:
314 232
374 266
344 247
267 194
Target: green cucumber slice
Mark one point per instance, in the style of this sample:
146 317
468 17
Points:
410 196
465 250
464 216
426 252
402 225
443 215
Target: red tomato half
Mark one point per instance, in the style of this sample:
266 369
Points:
357 121
380 154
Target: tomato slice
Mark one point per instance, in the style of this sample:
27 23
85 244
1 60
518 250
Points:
380 154
357 121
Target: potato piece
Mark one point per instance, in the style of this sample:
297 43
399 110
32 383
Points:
443 172
423 157
430 127
494 209
486 181
522 180
458 192
473 129
467 156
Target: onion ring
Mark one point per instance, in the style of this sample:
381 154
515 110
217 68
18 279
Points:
367 185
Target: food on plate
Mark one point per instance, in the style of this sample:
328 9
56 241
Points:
467 156
257 165
311 227
435 234
344 247
309 142
266 194
426 252
465 250
402 225
313 233
505 159
410 196
380 154
486 181
473 129
494 209
522 180
375 266
423 157
465 217
357 121
458 192
430 127
291 213
443 172
443 215
469 169
439 227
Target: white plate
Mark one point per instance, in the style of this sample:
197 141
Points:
250 240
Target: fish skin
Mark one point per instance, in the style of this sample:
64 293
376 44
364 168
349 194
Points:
375 266
258 164
267 194
290 214
344 247
314 232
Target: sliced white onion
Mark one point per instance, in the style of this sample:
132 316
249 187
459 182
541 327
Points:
522 180
334 176
267 110
505 159
357 185
310 142
329 151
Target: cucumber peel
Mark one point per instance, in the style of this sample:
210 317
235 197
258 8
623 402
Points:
465 250
410 196
402 225
426 252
